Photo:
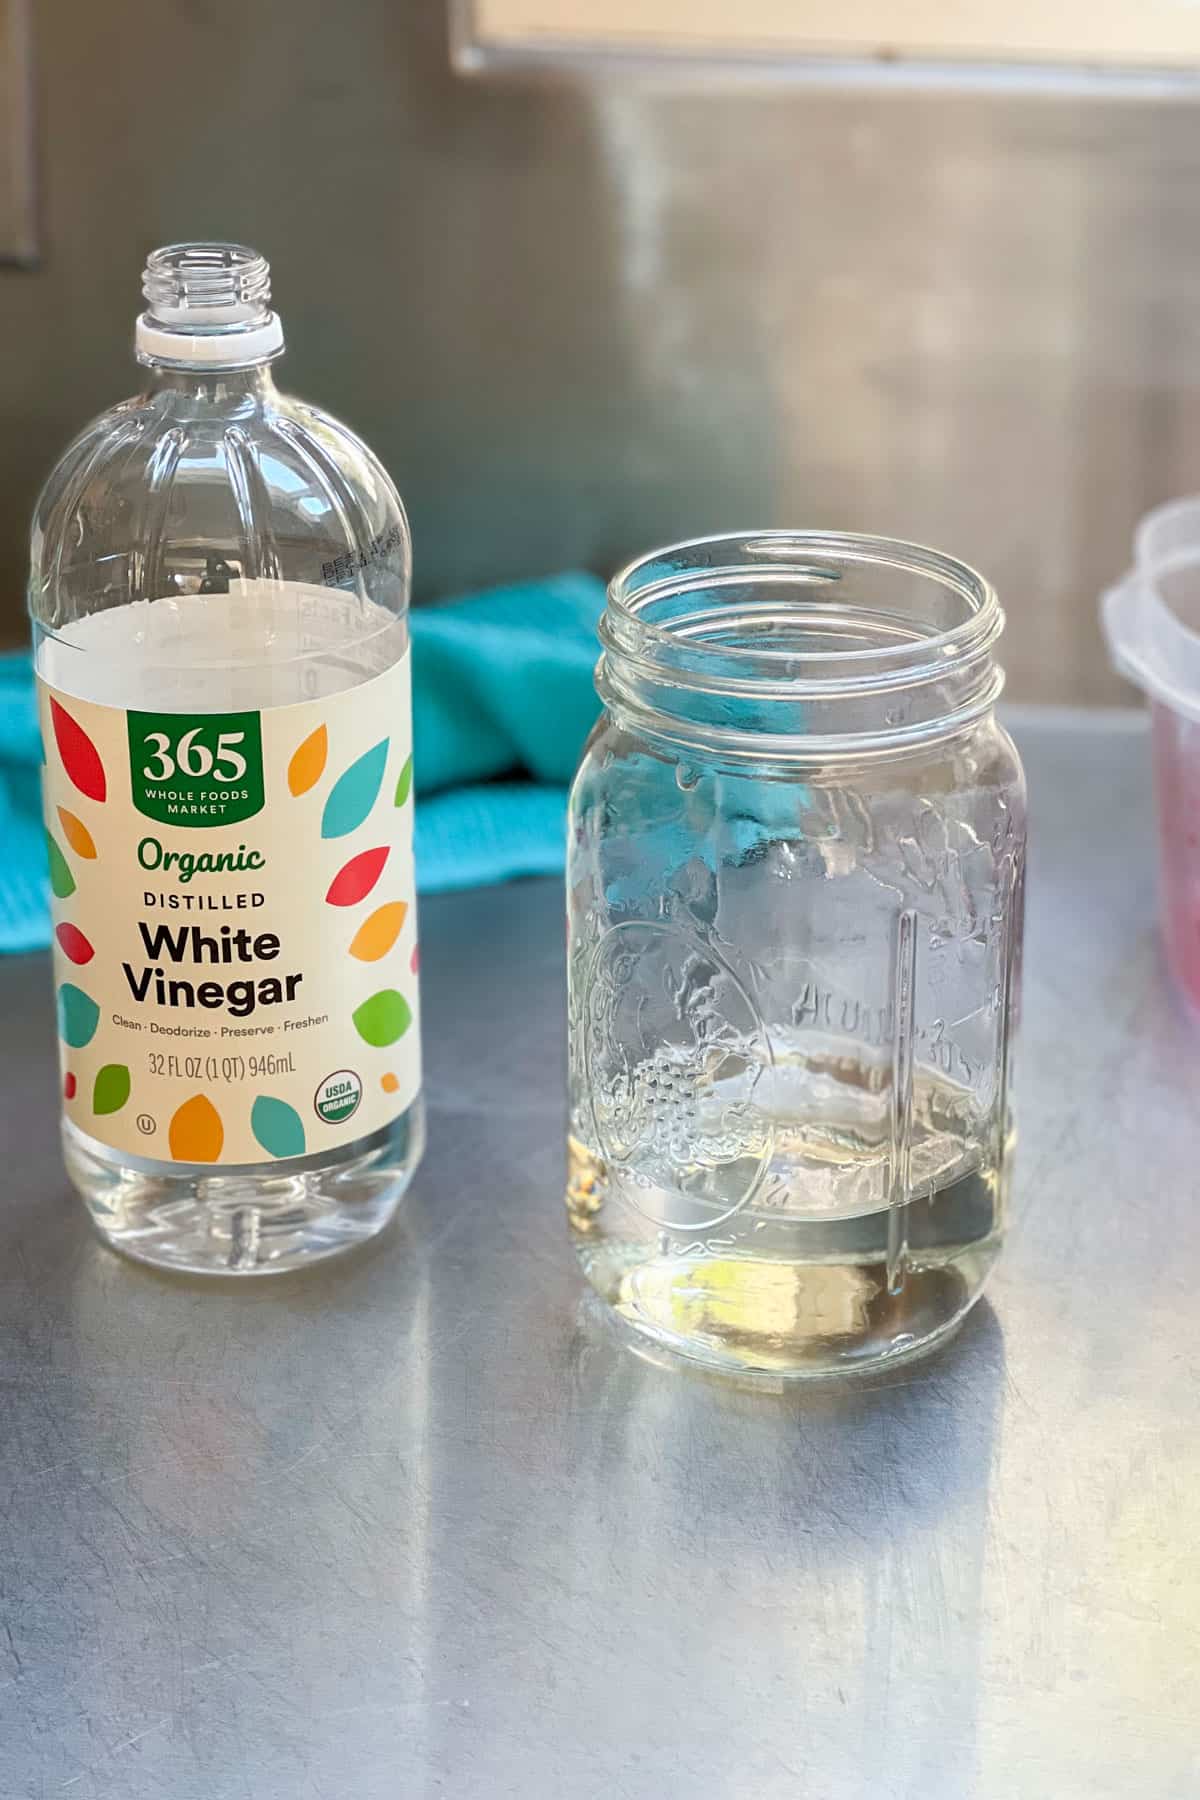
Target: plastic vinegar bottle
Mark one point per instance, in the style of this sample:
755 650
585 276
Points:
219 592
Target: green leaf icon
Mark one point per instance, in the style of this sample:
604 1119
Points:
111 1090
404 785
62 882
383 1018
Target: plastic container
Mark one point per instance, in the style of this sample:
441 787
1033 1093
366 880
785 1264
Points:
1152 622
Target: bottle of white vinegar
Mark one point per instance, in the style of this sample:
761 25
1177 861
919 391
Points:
219 593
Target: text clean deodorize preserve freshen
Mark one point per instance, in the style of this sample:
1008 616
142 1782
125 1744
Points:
219 591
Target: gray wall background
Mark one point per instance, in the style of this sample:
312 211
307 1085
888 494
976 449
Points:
577 318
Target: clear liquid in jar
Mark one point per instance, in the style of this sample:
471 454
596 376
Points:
816 1267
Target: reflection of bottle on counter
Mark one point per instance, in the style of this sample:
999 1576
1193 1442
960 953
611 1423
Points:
219 591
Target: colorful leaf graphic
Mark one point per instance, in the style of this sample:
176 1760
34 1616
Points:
382 1019
355 881
77 834
277 1126
111 1089
308 762
70 1085
62 882
80 758
353 793
376 935
196 1133
389 1082
78 1016
73 944
414 961
404 785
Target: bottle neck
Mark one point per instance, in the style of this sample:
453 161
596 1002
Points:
224 388
207 307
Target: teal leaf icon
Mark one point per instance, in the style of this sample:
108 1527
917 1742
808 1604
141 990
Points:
353 793
383 1018
78 1016
277 1126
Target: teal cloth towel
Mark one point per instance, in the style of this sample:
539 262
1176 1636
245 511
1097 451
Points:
502 686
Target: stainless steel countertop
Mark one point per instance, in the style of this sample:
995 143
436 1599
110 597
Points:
420 1525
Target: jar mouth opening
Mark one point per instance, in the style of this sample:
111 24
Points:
795 644
801 608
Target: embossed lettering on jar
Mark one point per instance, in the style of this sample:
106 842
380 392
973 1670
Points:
794 893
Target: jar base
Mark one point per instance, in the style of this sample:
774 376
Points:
238 1221
787 1320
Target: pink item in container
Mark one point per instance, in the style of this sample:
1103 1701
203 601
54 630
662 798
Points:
1152 622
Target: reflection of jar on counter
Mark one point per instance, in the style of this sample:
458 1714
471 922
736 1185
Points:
794 893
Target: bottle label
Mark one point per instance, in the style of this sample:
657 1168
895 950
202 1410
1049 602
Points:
235 930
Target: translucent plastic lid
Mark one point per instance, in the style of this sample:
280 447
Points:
1152 618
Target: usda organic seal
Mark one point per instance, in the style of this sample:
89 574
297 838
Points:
338 1096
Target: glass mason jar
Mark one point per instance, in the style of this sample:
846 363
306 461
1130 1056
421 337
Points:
795 878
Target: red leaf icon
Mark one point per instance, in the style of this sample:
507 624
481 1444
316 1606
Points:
73 943
355 881
80 757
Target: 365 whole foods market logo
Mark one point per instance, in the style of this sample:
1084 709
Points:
196 769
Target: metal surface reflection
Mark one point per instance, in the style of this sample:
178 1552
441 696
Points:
580 316
419 1524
